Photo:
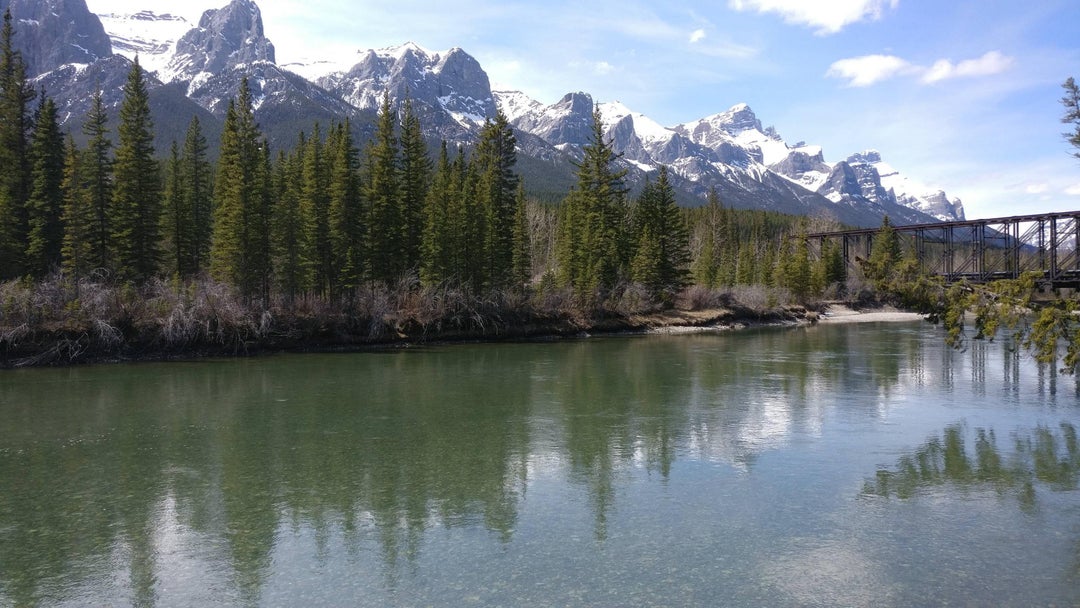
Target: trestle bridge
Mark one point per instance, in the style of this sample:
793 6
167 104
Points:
980 250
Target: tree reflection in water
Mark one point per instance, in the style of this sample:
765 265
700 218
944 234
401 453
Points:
1046 456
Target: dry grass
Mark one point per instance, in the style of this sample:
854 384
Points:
58 322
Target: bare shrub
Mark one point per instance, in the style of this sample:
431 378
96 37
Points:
699 297
759 299
635 298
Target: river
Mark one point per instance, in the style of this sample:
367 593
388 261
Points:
840 465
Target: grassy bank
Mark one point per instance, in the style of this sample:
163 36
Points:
59 322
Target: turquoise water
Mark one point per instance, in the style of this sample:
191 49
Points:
860 465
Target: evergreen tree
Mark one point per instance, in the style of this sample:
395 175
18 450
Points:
496 157
884 254
415 177
15 97
522 252
798 278
711 231
196 186
386 230
291 263
346 210
78 215
98 174
1071 101
745 270
470 227
240 246
178 218
45 206
592 244
663 267
437 243
136 201
315 203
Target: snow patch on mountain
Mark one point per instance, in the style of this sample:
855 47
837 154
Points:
150 36
648 130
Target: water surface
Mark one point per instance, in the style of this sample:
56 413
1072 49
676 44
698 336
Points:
860 465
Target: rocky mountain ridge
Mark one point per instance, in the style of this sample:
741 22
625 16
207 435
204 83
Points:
199 70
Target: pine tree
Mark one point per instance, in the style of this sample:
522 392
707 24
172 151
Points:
45 205
196 187
707 265
798 277
659 226
136 202
436 244
345 217
415 179
884 254
15 97
315 202
291 265
592 248
1071 101
178 227
98 174
240 250
522 253
470 227
496 157
745 268
78 215
386 230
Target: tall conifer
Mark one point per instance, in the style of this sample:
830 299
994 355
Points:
16 94
386 230
136 201
45 205
98 174
415 180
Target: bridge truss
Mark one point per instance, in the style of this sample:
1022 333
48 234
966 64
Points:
980 250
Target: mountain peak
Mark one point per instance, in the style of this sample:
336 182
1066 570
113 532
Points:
51 33
225 38
866 156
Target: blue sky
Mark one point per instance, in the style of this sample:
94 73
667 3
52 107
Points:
958 94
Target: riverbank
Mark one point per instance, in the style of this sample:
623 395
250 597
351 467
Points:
61 346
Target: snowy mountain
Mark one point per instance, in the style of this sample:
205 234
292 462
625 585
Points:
51 33
730 151
150 36
196 70
449 90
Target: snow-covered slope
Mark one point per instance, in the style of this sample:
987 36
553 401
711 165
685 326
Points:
448 89
731 149
930 200
149 35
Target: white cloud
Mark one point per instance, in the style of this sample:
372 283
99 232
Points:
869 69
697 36
989 64
603 68
827 16
1073 190
1037 188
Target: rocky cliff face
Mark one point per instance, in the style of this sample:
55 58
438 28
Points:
225 38
51 33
